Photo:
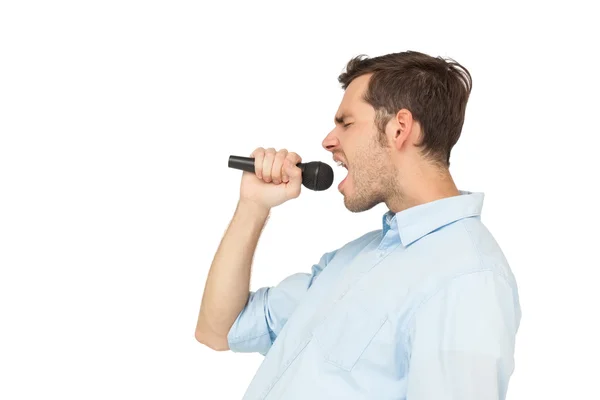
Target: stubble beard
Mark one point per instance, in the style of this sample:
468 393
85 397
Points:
373 180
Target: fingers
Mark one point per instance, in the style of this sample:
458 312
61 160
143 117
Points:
268 164
258 155
272 166
277 173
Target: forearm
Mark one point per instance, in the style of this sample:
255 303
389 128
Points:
228 282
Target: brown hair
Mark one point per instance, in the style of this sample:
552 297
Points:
434 90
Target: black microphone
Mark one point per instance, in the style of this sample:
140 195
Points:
316 175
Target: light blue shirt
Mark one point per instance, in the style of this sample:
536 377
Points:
425 308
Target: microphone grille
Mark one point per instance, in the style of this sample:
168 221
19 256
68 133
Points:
324 177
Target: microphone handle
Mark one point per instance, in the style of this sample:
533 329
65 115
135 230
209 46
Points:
247 163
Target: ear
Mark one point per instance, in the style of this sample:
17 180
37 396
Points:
403 125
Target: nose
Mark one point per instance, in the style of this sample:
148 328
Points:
331 142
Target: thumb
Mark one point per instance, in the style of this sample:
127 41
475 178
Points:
294 172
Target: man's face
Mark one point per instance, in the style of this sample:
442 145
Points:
357 141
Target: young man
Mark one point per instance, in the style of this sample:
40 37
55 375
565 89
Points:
424 308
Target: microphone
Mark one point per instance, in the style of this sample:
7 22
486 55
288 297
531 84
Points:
316 175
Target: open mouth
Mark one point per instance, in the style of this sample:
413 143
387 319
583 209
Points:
342 164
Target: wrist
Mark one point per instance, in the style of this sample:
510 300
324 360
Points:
253 208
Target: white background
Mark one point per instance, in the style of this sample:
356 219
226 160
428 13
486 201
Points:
117 119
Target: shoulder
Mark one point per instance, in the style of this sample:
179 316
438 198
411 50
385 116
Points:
463 261
465 247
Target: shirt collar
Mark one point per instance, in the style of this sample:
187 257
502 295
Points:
418 221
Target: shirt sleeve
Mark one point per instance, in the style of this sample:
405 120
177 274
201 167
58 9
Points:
268 309
462 340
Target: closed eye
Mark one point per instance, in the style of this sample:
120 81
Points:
348 124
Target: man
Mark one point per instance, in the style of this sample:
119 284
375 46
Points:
424 308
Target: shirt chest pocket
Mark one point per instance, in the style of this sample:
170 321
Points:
345 334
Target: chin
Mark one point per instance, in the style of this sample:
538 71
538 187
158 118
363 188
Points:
357 206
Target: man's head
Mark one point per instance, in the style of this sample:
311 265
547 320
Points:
399 118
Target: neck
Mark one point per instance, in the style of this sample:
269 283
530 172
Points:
422 185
